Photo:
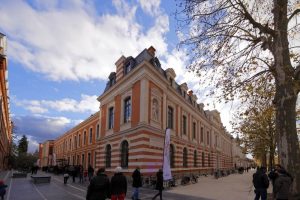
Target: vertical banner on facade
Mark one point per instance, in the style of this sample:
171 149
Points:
166 165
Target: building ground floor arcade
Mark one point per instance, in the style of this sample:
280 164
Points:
143 147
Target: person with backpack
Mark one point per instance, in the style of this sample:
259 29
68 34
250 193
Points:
261 183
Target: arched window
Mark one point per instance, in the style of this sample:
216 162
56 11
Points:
185 161
203 160
124 154
195 158
108 156
172 155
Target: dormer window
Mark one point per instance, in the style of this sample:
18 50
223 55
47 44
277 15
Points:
127 68
112 81
171 81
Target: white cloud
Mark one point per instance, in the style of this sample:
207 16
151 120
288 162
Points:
86 104
150 6
72 42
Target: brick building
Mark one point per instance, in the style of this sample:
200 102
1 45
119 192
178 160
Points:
140 101
46 154
5 121
78 145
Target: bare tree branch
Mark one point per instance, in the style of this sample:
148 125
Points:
293 14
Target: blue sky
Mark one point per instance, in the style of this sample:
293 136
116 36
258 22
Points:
60 54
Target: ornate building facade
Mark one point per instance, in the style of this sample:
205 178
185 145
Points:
140 101
5 120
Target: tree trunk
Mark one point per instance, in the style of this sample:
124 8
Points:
264 159
285 98
271 158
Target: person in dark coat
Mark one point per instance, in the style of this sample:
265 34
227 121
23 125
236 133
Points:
261 183
90 172
136 183
159 184
81 174
2 189
274 174
72 172
118 185
99 187
282 185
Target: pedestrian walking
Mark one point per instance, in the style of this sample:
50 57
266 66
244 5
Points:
99 187
90 172
261 183
66 177
159 184
2 189
136 183
72 172
282 185
118 185
80 174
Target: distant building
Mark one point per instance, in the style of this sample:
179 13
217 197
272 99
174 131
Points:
78 145
239 157
5 120
46 154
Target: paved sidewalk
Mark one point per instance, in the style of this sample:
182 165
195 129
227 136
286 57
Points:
232 187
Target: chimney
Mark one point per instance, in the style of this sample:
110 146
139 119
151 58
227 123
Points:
151 51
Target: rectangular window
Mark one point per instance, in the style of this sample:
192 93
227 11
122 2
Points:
98 131
79 140
202 135
127 110
194 130
216 141
75 142
127 68
184 124
89 158
70 144
170 117
112 81
83 161
91 135
111 118
207 137
84 137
